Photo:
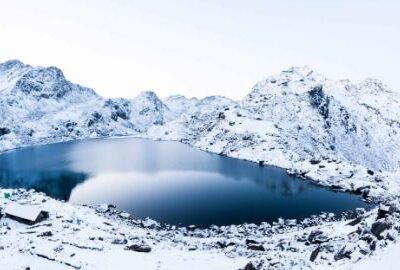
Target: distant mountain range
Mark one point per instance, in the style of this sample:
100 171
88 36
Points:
324 129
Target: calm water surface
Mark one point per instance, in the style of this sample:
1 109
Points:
167 181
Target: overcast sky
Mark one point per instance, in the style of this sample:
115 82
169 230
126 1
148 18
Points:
199 48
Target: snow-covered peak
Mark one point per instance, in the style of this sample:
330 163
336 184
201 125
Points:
294 80
11 64
180 104
48 82
150 95
149 100
37 82
10 72
373 86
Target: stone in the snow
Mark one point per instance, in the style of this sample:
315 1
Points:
26 214
251 242
138 248
119 241
378 227
256 247
317 237
344 252
383 211
4 131
315 253
250 266
355 221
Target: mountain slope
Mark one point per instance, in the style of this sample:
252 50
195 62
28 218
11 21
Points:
322 118
38 105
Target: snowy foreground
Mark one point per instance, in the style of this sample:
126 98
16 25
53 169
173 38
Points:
336 133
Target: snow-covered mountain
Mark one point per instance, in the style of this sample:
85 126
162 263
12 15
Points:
336 132
319 118
38 105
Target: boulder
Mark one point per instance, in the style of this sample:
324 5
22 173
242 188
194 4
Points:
317 237
4 131
250 266
138 248
315 253
344 252
256 247
378 227
383 211
355 221
119 241
314 161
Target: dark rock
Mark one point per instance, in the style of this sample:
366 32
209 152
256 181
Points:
256 247
367 237
337 187
95 118
370 172
138 248
315 253
119 241
320 101
378 227
383 211
120 109
192 248
343 253
362 190
46 234
355 221
224 244
251 242
314 161
250 266
114 116
372 245
4 131
317 237
261 163
221 116
246 137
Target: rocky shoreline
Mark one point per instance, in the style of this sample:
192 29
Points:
324 240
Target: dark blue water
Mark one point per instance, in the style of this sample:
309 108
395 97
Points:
167 181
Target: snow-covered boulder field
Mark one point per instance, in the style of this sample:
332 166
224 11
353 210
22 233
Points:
338 133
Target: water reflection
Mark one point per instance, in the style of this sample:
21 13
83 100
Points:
167 181
56 184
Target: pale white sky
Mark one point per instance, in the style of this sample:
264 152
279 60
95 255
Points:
201 47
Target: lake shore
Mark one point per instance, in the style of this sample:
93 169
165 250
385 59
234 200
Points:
93 238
